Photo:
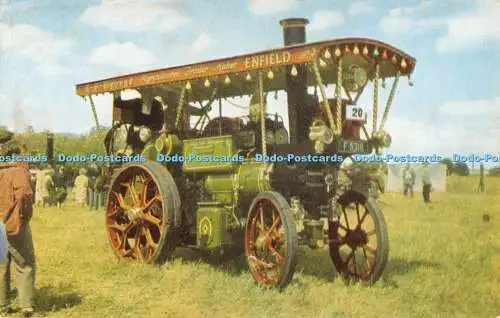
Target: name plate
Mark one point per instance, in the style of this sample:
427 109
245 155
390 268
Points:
355 113
352 146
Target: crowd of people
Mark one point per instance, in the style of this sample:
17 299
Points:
409 179
50 186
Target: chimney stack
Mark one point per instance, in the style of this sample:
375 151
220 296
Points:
294 32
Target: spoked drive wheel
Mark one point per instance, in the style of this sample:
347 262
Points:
143 204
271 243
359 243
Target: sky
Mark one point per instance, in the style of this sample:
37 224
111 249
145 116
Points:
47 47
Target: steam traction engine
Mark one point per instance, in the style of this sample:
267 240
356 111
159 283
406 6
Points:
224 198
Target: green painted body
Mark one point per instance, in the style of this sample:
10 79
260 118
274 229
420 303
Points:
149 151
210 154
213 225
225 178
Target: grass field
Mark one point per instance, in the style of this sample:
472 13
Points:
444 262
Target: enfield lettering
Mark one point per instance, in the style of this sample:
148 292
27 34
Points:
267 60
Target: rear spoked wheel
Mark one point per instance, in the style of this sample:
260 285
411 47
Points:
271 243
359 243
143 202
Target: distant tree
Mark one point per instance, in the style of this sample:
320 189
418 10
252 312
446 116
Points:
461 169
494 172
449 166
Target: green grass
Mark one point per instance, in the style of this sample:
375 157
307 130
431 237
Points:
444 262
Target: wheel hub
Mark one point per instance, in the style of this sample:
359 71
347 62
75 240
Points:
260 242
356 238
134 213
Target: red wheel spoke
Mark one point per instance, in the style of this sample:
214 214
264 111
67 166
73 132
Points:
124 230
149 238
121 201
274 225
133 193
144 191
276 254
150 202
261 263
113 213
151 219
118 227
137 244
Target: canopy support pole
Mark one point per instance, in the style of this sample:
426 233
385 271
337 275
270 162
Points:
389 101
220 116
262 113
94 112
375 98
338 96
319 82
179 107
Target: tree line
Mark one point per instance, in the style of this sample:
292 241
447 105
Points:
35 143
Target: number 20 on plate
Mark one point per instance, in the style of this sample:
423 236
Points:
355 113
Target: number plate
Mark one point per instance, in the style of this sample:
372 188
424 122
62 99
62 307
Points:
355 113
352 146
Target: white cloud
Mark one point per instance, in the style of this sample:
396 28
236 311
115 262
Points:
471 29
358 8
203 42
124 55
265 7
136 16
463 31
41 47
407 20
464 127
326 19
486 108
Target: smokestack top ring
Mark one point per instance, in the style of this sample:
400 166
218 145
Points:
294 22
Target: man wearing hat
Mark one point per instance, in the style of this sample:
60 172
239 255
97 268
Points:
16 209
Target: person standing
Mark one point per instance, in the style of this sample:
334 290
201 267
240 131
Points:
60 186
40 177
16 210
98 191
426 183
481 178
408 180
81 188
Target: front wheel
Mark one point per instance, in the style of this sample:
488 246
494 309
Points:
271 243
359 242
142 210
